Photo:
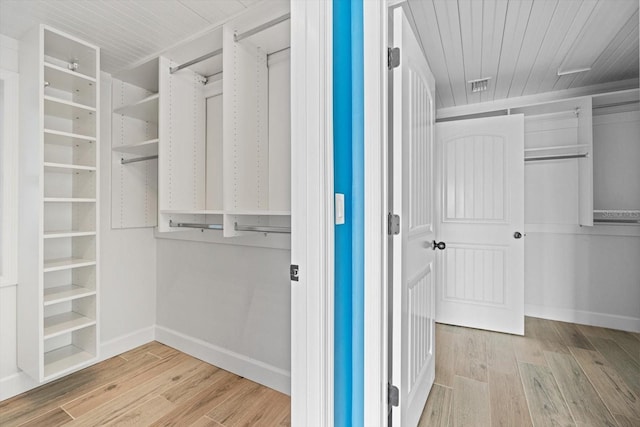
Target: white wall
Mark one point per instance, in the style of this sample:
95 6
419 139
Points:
590 274
229 305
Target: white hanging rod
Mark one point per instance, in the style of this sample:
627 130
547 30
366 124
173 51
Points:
616 104
195 61
137 159
193 225
617 221
259 28
237 227
263 228
567 156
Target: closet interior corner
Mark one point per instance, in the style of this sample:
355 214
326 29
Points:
201 135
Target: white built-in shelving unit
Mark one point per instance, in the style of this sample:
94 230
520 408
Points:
224 128
58 292
134 144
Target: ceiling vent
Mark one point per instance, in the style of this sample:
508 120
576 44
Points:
479 85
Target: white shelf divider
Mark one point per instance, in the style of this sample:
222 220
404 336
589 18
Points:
60 264
64 360
145 109
62 234
143 148
64 323
66 293
67 168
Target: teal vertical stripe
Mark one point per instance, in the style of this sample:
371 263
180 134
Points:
342 130
357 231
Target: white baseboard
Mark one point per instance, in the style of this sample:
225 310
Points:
612 321
126 342
254 370
20 382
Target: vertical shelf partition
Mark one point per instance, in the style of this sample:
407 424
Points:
58 293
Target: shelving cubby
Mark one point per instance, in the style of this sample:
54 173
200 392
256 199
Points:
134 129
58 293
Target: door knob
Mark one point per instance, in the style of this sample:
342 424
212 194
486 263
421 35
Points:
438 245
517 235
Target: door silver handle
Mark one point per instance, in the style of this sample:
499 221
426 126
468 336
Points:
517 235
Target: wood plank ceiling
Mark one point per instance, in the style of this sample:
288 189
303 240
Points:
127 31
522 44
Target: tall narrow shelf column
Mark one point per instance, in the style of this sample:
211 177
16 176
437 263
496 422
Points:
58 290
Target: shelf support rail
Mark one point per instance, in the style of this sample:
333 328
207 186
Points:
616 104
137 159
237 227
560 157
260 28
195 61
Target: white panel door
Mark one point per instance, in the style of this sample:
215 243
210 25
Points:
480 281
413 262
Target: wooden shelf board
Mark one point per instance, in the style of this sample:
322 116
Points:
192 212
144 148
68 200
64 108
67 233
67 168
64 323
259 213
65 359
66 138
66 293
66 263
146 109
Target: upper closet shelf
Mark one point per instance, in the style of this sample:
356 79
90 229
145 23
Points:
143 148
66 138
146 109
66 109
80 86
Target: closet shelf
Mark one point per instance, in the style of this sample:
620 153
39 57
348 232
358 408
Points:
66 293
65 359
64 323
146 109
66 109
192 212
556 148
259 212
60 234
68 200
144 148
66 138
67 168
66 264
79 85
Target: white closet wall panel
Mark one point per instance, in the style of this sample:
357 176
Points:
245 109
182 139
280 131
214 185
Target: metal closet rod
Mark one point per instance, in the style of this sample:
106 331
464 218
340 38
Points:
237 227
195 61
616 104
617 221
137 159
237 38
260 28
560 157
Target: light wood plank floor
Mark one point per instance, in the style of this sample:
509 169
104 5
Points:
150 385
557 374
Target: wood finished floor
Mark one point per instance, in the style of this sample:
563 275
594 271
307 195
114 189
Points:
557 374
150 385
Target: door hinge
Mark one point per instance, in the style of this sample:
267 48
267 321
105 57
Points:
394 395
293 272
393 223
393 57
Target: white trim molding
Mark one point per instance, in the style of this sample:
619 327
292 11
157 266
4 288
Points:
375 23
260 372
9 170
602 320
312 204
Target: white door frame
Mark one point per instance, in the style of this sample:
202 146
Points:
375 23
312 219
